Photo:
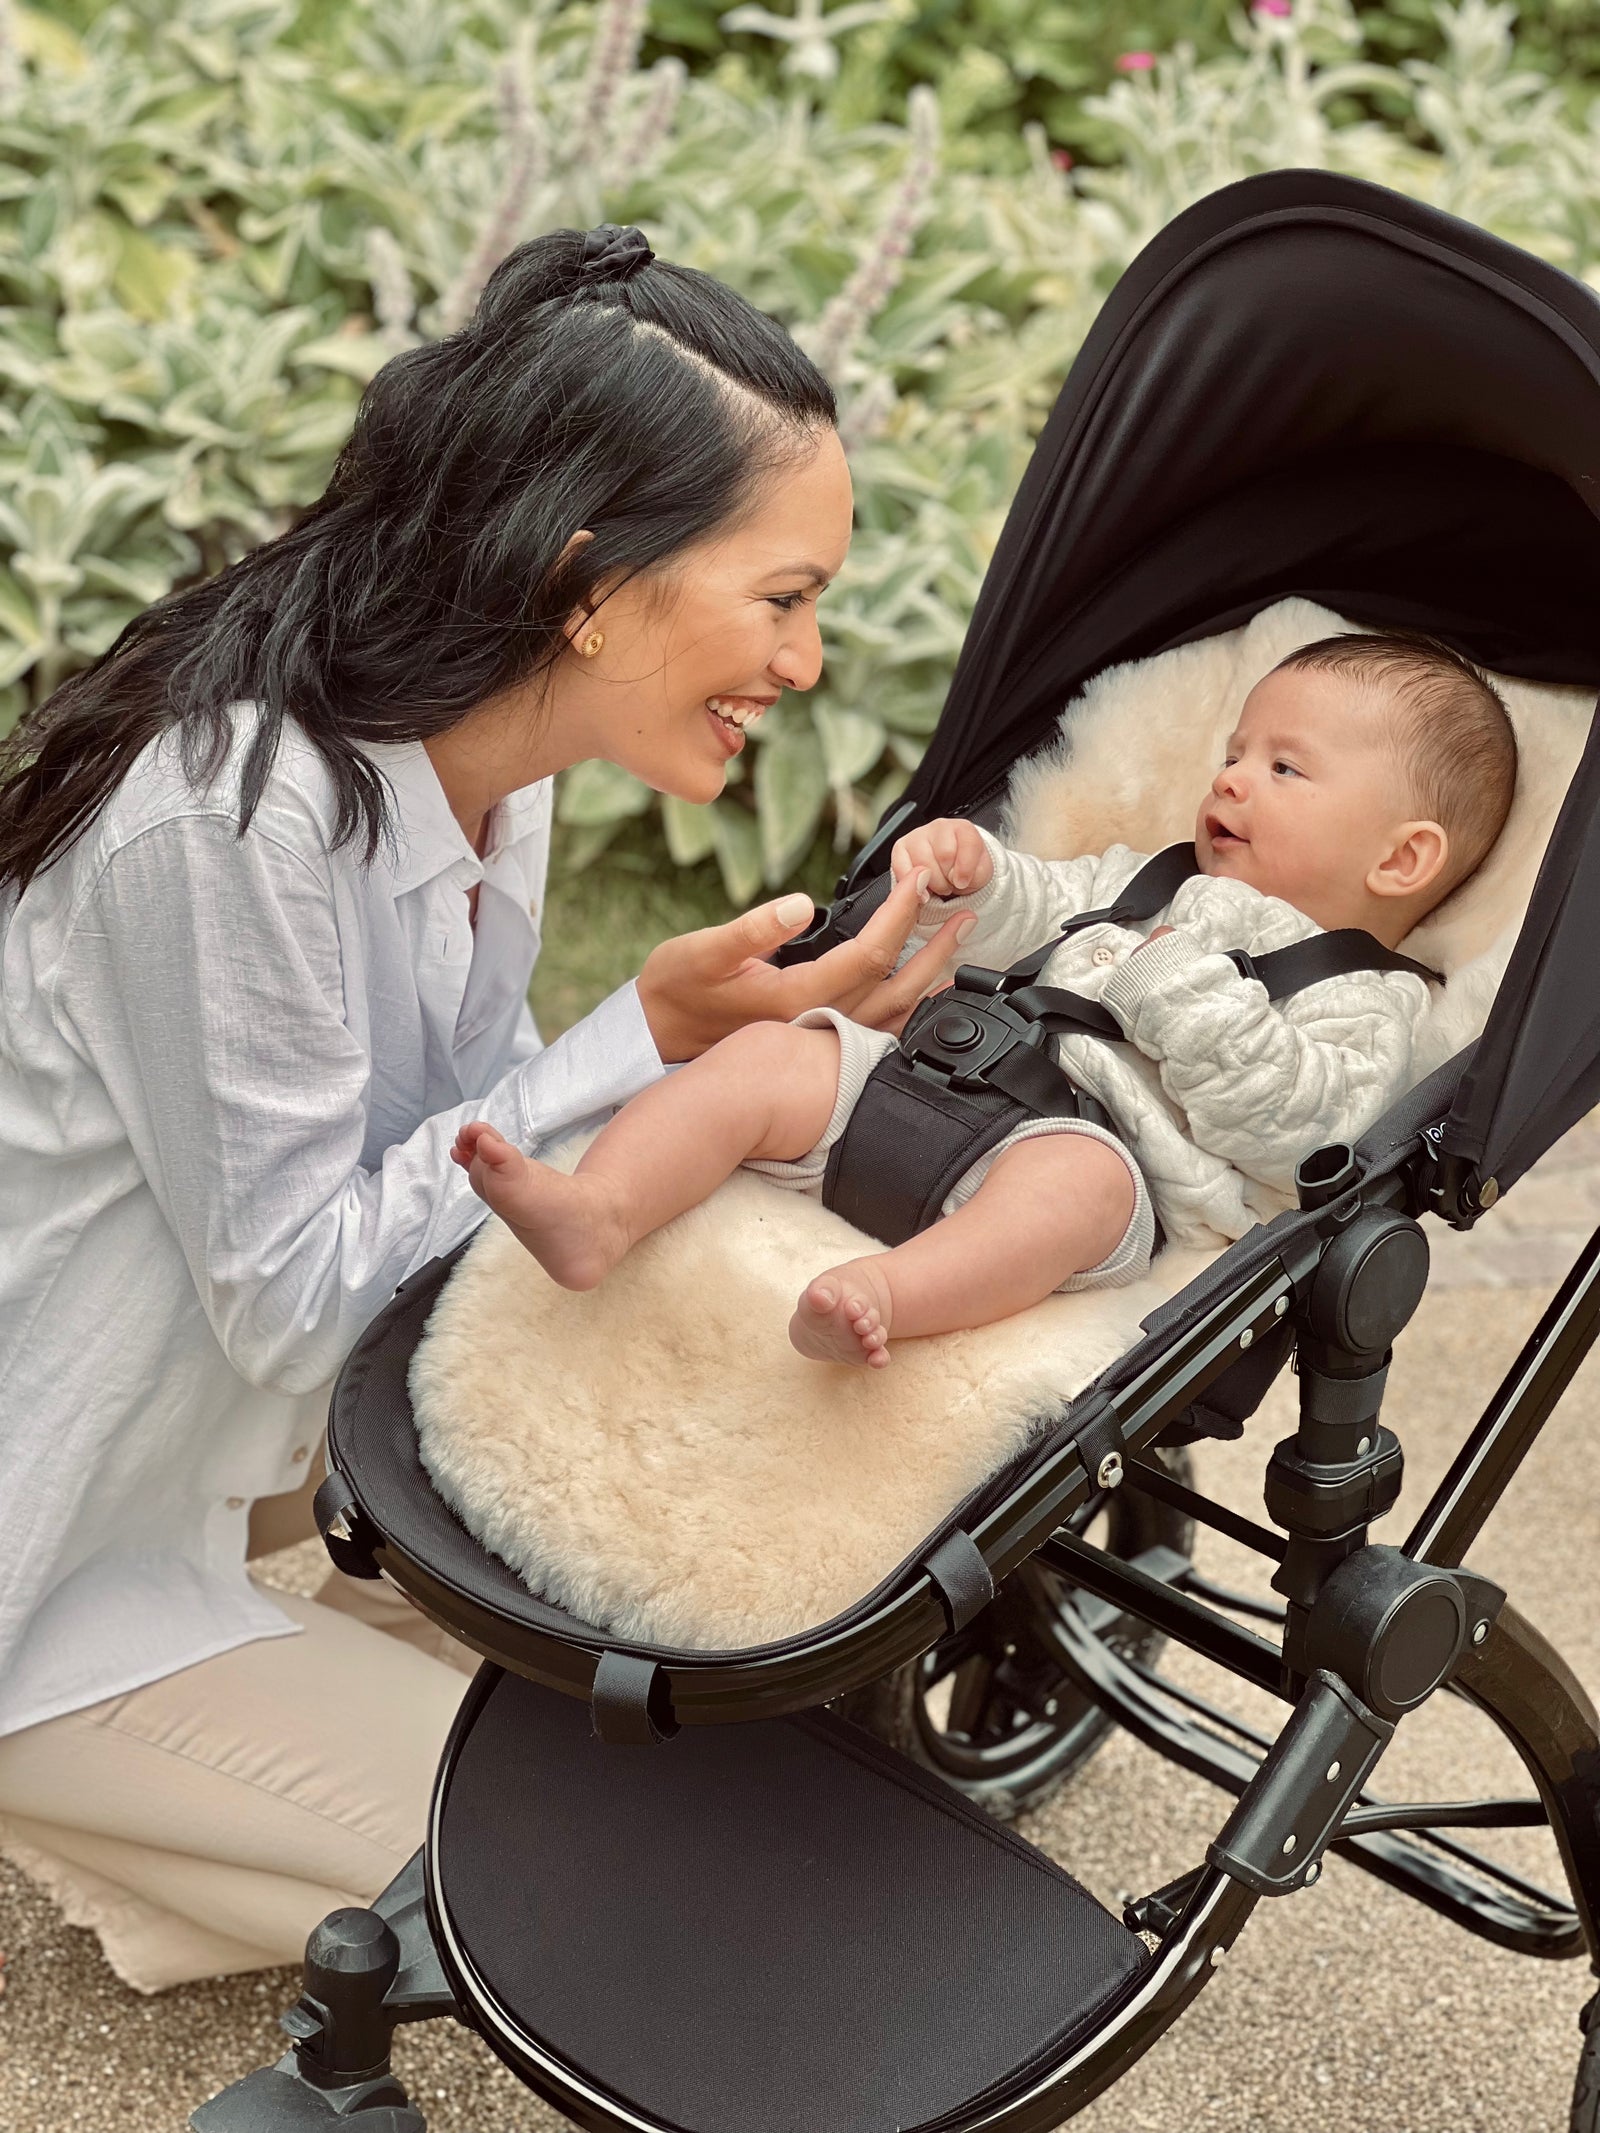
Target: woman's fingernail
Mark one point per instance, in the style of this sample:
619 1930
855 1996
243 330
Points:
968 925
792 909
923 878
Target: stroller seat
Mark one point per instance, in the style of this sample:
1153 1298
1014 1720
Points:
683 1479
776 1926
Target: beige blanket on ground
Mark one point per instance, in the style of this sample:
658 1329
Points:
655 1457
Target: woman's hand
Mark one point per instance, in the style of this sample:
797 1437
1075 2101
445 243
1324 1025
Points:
701 986
953 852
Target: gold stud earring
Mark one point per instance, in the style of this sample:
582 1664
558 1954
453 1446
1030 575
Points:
591 645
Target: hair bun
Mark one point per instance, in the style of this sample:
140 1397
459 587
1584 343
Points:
612 254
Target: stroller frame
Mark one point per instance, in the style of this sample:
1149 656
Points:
1385 472
368 1971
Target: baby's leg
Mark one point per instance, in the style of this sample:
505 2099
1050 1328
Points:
767 1091
1049 1207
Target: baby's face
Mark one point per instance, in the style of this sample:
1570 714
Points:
1306 798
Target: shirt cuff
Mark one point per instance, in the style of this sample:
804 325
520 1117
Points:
591 1068
1147 970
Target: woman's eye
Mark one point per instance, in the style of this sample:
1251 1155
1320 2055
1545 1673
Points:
788 601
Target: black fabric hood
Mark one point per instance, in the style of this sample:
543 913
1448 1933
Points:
1310 385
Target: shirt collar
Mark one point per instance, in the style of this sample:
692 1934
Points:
427 837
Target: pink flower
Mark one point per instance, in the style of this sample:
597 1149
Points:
1062 158
1270 7
1135 62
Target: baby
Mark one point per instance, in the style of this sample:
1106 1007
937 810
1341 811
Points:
1367 777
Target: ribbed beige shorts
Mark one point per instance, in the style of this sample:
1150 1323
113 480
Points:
859 1052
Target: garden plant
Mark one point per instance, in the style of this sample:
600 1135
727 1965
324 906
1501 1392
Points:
216 223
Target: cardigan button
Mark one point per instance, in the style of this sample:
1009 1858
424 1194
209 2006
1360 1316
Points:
235 1503
300 1454
1105 955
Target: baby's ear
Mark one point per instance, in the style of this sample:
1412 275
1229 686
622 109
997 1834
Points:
1418 855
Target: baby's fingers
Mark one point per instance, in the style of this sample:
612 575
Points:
947 850
910 854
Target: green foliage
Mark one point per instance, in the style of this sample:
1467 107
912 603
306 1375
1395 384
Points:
1002 65
216 224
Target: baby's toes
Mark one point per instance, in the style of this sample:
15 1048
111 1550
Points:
497 1152
868 1329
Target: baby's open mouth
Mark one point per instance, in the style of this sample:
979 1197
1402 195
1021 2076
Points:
1220 834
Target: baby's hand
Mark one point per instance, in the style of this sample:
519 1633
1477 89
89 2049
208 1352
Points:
1149 937
955 855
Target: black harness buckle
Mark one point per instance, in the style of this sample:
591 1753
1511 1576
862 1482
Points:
957 1035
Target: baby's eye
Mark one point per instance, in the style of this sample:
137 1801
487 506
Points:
1287 769
788 601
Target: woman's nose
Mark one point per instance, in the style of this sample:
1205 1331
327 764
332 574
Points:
797 662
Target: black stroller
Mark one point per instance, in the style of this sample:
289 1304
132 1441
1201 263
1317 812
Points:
781 1921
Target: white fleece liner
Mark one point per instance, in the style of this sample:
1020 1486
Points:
654 1457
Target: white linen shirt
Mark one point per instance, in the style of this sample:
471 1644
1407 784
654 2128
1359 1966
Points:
231 1071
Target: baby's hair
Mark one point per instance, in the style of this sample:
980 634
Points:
1449 729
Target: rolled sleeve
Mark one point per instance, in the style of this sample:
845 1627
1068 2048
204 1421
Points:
1148 969
594 1066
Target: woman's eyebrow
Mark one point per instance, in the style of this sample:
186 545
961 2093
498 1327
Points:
817 577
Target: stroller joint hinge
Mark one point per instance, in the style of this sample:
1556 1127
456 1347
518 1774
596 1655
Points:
1449 1186
1393 1629
1342 1469
1292 1808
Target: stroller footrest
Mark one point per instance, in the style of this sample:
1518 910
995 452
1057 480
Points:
784 1925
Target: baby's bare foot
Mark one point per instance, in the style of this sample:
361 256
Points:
844 1317
572 1225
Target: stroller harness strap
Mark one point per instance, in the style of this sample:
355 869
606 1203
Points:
975 1061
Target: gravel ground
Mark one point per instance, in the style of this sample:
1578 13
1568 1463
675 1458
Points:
1348 2007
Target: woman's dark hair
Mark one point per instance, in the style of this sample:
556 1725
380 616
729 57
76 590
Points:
426 578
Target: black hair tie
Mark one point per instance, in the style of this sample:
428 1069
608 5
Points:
612 254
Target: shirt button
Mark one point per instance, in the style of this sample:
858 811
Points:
300 1454
235 1503
1105 955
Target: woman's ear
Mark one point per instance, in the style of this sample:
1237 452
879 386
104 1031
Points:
578 623
1418 854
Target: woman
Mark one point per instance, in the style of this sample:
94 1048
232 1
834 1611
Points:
270 879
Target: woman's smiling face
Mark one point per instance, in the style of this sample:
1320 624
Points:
697 650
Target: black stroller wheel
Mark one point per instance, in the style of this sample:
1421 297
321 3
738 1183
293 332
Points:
1586 2089
988 1709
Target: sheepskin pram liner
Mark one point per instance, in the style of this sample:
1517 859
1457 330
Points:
654 1457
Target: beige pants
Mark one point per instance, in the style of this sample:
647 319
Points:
204 1824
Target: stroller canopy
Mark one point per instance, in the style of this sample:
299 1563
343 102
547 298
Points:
1308 384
